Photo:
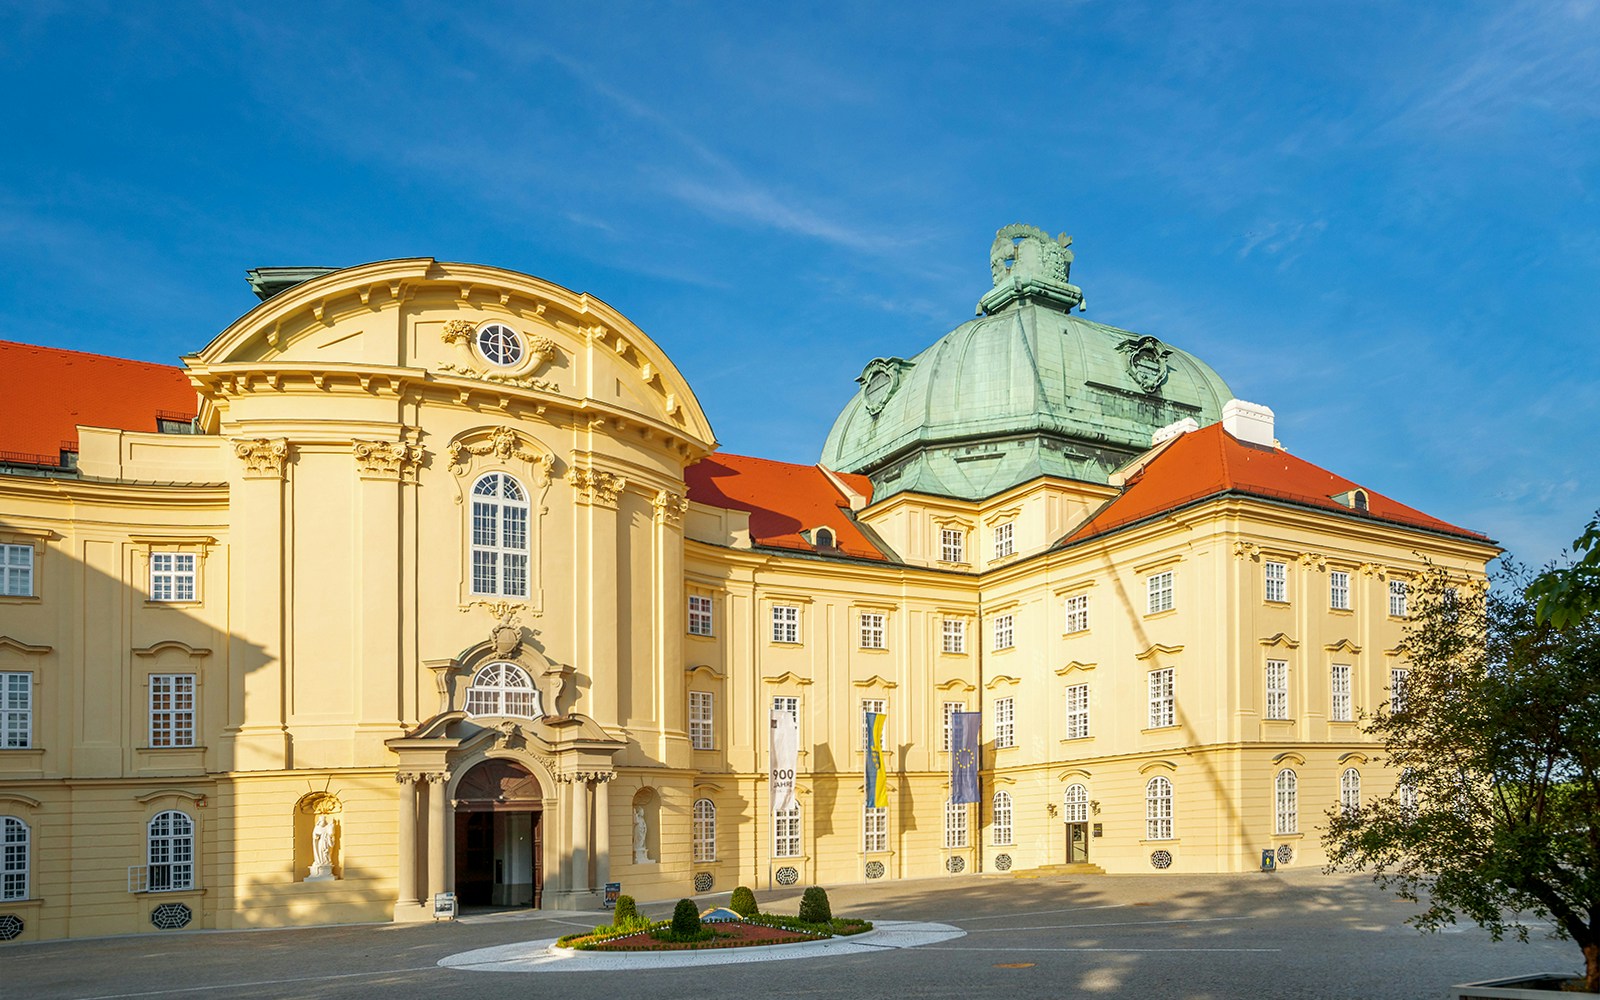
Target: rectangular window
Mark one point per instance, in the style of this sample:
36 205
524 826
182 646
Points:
955 825
1004 638
1397 689
873 706
1158 592
790 704
950 708
172 710
16 570
1162 711
172 576
16 711
13 858
1004 545
785 623
1005 723
952 545
1339 708
786 834
1277 689
1339 590
699 615
1397 598
1077 711
1277 582
701 732
875 829
955 635
1078 613
872 636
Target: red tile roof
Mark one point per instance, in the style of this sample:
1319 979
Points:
46 393
1209 461
783 500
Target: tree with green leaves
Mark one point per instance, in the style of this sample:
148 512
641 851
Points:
1564 594
1496 741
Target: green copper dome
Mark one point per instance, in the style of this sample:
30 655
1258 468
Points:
1025 390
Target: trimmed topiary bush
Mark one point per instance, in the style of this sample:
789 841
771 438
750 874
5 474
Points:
627 912
814 908
744 902
685 918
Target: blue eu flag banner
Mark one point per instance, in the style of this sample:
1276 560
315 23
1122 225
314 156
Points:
965 728
877 779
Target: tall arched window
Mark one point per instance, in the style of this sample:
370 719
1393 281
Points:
171 852
955 824
705 830
1288 802
13 858
1002 817
1075 804
503 689
1350 791
499 536
1158 809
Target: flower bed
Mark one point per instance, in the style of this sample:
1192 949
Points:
765 929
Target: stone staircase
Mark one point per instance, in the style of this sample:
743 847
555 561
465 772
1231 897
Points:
1056 871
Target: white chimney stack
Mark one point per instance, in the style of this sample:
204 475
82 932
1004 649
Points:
1172 430
1248 422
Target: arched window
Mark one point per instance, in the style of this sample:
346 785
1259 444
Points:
705 830
1002 818
13 858
786 833
955 824
499 536
1350 791
1075 804
1288 802
1158 809
503 689
171 852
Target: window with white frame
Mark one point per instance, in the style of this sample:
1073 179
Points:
171 853
16 710
1158 592
1397 689
1162 709
786 833
1158 809
172 576
791 704
1350 791
952 545
172 710
1340 707
955 825
1406 791
1005 722
1004 542
875 829
950 709
499 536
1078 613
872 630
705 830
500 345
1075 804
1277 581
1398 591
1287 792
16 570
701 732
955 635
503 689
872 706
1001 829
699 615
1077 711
1004 636
1277 689
785 623
13 858
1339 590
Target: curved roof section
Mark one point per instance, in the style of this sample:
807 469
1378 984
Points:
783 500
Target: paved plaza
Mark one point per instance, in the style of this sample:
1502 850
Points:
1205 937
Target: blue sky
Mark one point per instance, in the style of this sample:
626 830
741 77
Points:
1378 219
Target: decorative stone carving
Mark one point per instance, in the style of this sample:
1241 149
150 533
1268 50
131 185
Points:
322 849
880 379
498 608
594 486
1247 550
641 832
558 677
504 444
263 458
669 507
1314 560
520 382
542 350
387 459
1027 263
458 331
1147 361
506 635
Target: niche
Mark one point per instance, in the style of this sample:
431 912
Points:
646 820
318 838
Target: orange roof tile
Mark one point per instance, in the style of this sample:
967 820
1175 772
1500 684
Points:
1209 461
783 500
46 393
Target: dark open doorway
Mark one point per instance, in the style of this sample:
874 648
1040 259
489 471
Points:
499 837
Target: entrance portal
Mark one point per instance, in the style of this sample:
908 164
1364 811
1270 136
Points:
1077 843
499 836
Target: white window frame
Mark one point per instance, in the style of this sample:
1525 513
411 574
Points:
1158 809
789 703
170 850
1286 799
952 545
1001 812
15 848
1277 707
874 829
500 536
1077 607
1340 708
702 720
1075 803
1397 688
174 577
173 700
1005 634
1399 592
786 623
1078 712
16 570
1350 791
1005 540
1406 792
950 708
1277 581
1005 723
1158 590
955 826
503 689
1338 590
786 833
874 630
701 617
876 706
16 710
1163 698
955 635
499 345
705 830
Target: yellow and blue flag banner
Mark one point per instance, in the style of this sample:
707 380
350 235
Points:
965 731
877 778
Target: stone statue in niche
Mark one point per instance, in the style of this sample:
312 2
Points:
322 849
641 833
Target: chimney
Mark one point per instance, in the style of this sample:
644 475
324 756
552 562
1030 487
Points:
1173 430
1248 422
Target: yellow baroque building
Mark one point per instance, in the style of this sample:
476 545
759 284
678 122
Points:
426 577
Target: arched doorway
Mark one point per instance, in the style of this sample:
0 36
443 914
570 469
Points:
499 836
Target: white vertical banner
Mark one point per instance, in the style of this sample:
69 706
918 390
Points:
784 759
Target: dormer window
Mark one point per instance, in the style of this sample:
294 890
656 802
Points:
824 538
1355 499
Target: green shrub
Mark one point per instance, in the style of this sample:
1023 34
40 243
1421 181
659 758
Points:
744 902
814 908
627 912
685 918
